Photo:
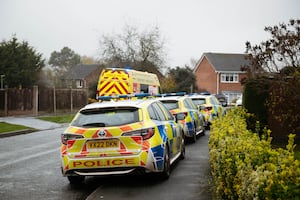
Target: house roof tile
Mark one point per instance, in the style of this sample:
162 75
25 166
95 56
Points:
225 61
81 71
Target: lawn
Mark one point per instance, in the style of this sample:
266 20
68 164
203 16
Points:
6 127
61 119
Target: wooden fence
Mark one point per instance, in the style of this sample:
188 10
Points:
37 101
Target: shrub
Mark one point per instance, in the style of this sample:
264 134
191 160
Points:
283 108
256 92
244 165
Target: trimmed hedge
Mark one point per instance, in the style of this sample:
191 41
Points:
284 109
245 166
255 95
275 104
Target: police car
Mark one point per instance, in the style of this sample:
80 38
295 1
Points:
194 121
121 137
209 105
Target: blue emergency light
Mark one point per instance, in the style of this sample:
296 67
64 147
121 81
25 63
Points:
171 94
124 96
200 93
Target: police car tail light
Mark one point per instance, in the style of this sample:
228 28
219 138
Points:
148 133
208 108
185 113
145 133
66 137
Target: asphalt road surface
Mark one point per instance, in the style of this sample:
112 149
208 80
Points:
30 169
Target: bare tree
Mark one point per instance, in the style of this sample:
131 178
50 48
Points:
282 50
140 50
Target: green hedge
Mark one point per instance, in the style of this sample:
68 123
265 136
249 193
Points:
275 104
256 92
244 166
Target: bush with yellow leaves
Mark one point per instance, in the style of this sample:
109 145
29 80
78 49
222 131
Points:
244 164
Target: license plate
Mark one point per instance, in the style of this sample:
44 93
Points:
103 144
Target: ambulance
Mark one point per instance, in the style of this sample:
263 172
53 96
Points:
118 81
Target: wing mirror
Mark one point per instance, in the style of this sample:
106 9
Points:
180 116
201 107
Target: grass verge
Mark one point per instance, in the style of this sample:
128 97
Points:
61 119
6 127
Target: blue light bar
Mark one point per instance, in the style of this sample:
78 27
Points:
121 96
171 94
205 93
124 96
105 98
128 68
200 93
141 95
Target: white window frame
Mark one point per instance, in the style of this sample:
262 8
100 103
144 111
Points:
231 95
79 83
229 77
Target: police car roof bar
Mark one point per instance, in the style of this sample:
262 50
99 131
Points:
201 93
124 96
171 94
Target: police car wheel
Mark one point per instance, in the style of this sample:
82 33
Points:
75 179
182 155
194 137
167 165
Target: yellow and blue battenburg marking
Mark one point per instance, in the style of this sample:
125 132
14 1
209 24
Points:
122 147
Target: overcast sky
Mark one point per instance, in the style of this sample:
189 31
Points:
190 27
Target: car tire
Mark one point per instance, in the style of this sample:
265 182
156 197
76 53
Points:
202 132
207 127
167 164
194 137
75 180
182 154
203 126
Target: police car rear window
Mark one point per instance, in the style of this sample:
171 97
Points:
171 105
198 101
106 117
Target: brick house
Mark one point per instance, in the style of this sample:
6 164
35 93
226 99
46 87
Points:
83 76
220 73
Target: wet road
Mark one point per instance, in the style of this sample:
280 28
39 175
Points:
30 169
189 180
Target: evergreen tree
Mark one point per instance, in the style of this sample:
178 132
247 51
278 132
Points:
20 64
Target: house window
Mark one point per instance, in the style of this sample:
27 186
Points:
79 83
232 95
229 77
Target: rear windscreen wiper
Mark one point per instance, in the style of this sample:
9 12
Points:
95 124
